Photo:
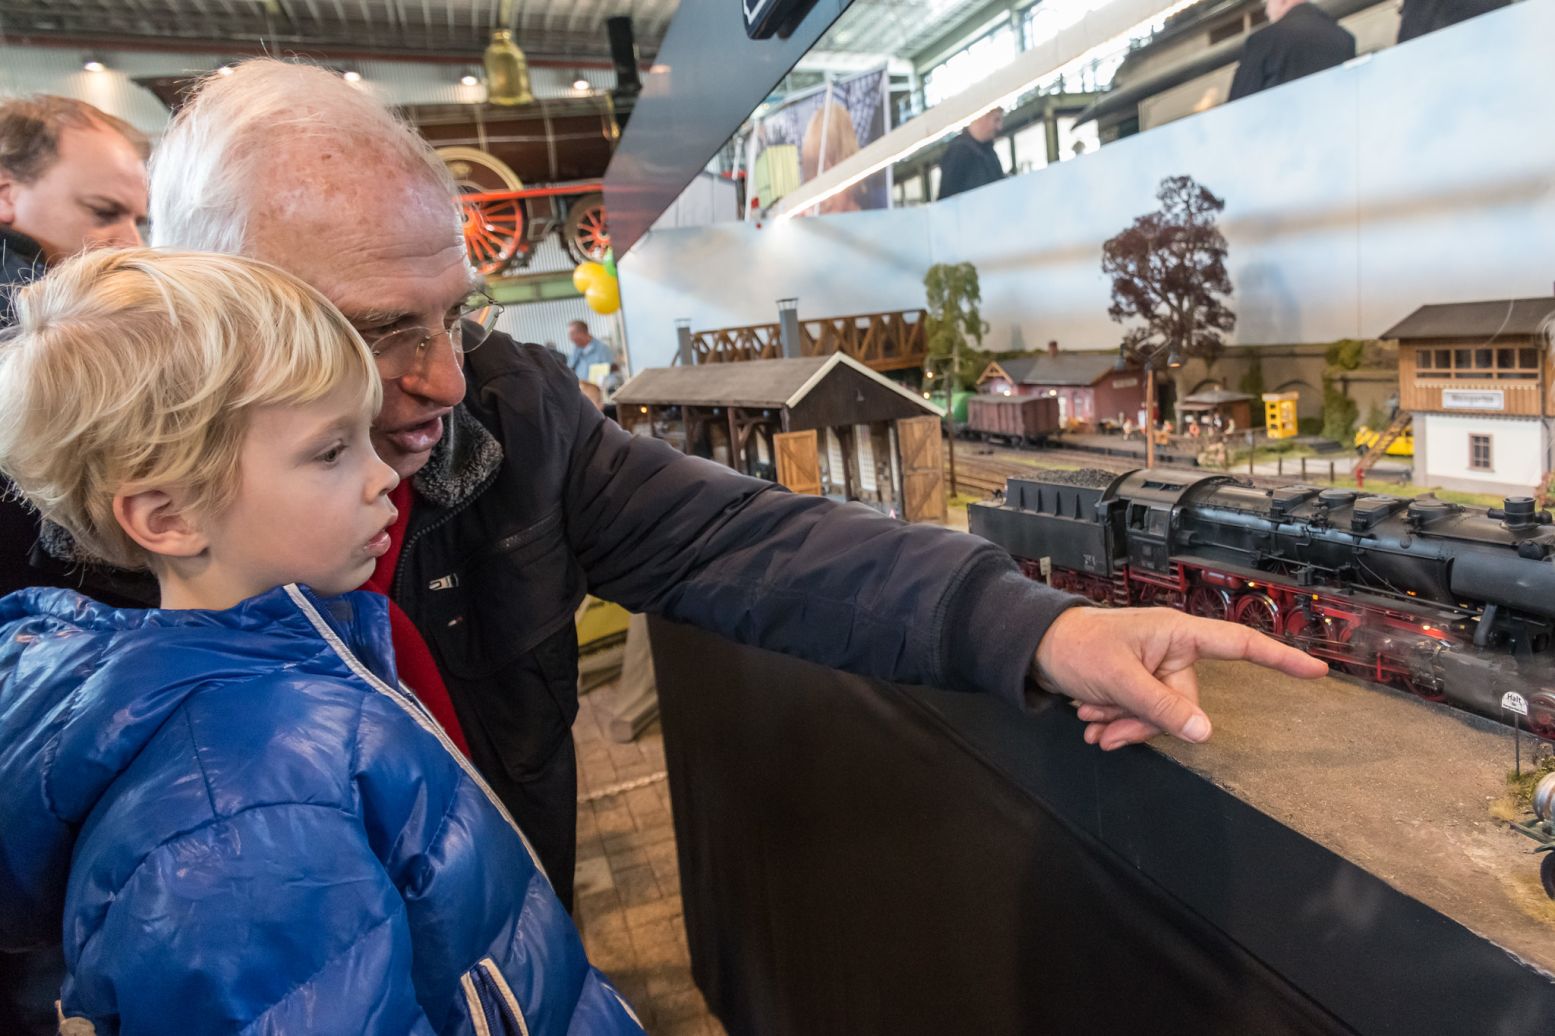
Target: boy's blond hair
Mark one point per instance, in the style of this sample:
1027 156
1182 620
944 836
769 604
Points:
137 369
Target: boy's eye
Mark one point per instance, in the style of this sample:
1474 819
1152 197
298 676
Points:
332 454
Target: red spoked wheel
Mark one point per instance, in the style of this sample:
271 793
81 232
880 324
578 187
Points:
588 236
1541 716
1210 602
1259 612
493 228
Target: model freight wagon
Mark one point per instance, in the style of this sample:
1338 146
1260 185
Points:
1014 419
1448 602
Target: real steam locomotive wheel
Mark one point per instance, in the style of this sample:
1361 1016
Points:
1211 602
493 230
588 238
1547 873
1257 611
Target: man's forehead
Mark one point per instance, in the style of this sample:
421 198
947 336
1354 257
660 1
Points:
383 245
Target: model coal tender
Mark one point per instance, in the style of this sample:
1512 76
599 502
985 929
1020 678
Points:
1449 602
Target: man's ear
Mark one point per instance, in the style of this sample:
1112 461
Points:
8 187
157 521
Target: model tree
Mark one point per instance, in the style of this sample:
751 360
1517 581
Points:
1168 272
952 317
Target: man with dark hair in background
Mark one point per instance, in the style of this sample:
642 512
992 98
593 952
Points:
71 177
970 161
1300 39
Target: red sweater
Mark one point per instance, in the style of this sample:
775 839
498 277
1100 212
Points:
412 656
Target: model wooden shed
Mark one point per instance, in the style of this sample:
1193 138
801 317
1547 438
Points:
1231 406
1088 386
817 424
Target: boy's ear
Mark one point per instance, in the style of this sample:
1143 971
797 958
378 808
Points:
157 521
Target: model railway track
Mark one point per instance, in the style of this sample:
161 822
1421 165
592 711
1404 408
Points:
978 471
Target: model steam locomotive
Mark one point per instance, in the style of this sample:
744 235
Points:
1451 603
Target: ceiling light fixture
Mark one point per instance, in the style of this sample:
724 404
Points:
469 79
224 70
580 84
94 65
351 75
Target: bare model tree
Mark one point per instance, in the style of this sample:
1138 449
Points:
1168 270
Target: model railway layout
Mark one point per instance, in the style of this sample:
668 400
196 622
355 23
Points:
1448 602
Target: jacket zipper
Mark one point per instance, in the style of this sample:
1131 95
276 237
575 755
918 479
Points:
405 701
487 1011
397 587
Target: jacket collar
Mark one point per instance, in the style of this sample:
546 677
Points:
18 249
462 462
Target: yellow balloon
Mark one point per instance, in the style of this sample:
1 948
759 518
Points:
603 299
589 274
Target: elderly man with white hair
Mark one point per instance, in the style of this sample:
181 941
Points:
518 496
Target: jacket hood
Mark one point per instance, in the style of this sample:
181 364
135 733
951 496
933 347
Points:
85 687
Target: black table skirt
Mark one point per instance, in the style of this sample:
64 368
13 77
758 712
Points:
858 858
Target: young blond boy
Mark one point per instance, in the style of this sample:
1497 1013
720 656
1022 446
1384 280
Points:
239 816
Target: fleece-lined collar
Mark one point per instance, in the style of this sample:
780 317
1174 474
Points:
463 460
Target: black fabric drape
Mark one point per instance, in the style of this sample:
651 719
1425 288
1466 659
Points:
860 858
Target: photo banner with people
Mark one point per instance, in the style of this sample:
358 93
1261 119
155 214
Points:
811 132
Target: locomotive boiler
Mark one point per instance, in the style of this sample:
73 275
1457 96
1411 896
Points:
1451 603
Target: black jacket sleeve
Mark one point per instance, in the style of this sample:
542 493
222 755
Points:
841 585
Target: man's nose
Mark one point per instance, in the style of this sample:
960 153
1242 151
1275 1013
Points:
126 235
439 377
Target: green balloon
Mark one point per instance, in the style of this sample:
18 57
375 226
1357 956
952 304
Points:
610 265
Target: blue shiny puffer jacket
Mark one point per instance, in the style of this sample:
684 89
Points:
247 824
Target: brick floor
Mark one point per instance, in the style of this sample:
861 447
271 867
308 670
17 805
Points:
628 881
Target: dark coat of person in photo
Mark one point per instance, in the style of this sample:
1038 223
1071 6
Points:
1426 16
969 163
21 262
1306 39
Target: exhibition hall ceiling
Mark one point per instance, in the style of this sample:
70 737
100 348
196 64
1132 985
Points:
895 28
561 28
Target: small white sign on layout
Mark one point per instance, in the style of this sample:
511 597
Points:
1511 701
1473 399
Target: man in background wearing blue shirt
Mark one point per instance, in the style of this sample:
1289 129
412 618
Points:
586 350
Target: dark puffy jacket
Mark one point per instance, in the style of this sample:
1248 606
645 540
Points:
246 823
534 498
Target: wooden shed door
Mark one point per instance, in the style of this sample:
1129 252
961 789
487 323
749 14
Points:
799 461
923 479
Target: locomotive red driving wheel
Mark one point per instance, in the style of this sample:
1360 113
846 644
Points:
1210 602
1541 716
1257 611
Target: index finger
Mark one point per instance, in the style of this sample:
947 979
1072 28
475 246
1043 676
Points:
1226 641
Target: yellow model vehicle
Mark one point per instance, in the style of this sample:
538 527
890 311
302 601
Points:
1403 446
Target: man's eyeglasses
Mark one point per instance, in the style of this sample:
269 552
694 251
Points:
400 352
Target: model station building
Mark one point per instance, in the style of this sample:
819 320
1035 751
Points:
1477 378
